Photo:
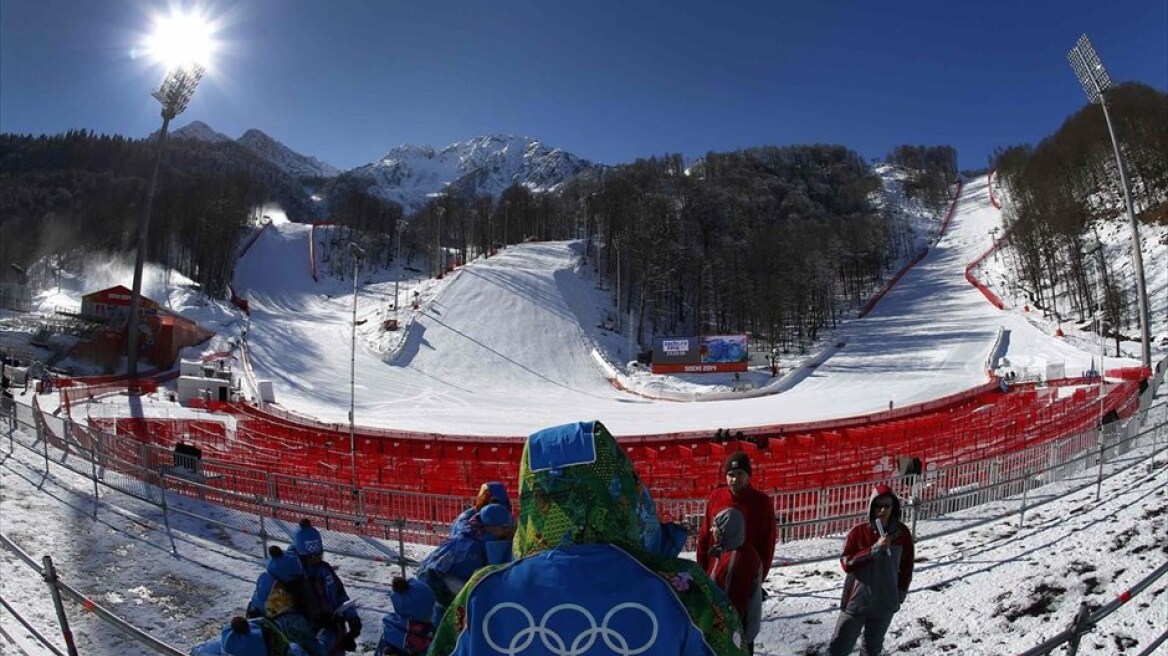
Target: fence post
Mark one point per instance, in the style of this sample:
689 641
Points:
264 533
94 440
51 578
1080 626
401 544
166 511
1025 493
44 435
1099 477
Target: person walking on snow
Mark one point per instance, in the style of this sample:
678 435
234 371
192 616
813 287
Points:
737 569
878 558
755 506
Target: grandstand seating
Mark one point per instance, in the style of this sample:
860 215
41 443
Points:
313 461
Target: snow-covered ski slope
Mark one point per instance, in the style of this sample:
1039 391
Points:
503 348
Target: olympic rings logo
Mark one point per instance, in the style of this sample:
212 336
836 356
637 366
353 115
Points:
555 643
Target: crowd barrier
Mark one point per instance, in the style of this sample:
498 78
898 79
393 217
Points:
152 473
282 470
982 422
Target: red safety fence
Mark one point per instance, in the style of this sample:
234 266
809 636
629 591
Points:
791 457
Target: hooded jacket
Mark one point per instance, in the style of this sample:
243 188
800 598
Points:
490 492
282 595
408 629
583 572
877 581
759 513
736 568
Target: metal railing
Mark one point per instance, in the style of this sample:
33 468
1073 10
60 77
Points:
812 520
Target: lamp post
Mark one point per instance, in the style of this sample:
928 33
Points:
1096 81
174 94
397 260
358 254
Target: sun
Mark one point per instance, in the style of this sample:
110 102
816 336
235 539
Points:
181 39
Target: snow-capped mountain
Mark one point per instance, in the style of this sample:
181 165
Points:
285 158
484 165
198 131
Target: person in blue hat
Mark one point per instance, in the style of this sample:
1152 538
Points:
282 596
490 492
336 633
484 540
257 637
585 578
408 630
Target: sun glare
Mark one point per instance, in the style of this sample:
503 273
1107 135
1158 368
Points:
181 39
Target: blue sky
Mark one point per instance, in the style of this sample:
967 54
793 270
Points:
347 80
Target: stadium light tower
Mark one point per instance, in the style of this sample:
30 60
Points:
358 255
183 44
1096 82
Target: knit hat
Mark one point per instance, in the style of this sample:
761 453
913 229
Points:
495 514
241 638
283 566
737 460
306 540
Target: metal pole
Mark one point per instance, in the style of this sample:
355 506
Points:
1099 477
397 261
140 261
1137 248
401 545
1090 70
1022 512
51 578
357 253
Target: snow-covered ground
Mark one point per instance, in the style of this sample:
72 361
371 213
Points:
504 347
995 589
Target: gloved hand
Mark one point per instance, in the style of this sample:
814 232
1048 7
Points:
355 628
349 643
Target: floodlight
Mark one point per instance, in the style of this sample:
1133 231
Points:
183 43
1096 81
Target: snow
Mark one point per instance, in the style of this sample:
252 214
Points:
504 346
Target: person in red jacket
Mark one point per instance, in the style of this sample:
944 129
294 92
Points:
878 558
756 509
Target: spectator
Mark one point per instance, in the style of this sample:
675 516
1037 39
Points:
878 558
581 557
737 569
484 540
489 492
282 595
327 590
756 508
258 637
408 630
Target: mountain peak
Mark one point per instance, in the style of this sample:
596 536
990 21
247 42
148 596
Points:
288 160
199 131
486 164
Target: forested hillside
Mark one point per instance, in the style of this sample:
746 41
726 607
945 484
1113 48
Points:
1060 190
78 192
775 241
